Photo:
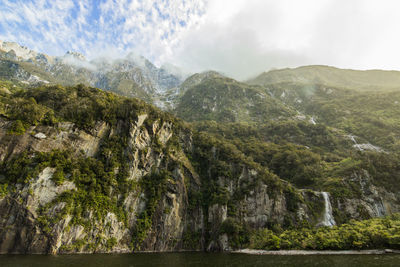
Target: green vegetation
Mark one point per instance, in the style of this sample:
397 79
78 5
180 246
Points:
17 128
93 181
154 185
372 116
3 189
215 158
74 247
81 105
317 156
226 100
309 165
366 234
239 234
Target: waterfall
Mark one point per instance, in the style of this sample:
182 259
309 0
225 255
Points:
352 138
328 219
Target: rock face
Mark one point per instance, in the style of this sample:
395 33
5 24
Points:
36 217
374 201
21 228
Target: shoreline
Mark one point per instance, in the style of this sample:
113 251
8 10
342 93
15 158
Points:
317 252
240 251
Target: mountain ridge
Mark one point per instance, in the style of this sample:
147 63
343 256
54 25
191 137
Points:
131 76
332 76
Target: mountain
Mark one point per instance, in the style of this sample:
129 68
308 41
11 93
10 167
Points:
171 97
334 77
132 76
226 100
232 165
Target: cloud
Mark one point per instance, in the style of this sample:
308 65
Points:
72 60
239 38
40 25
95 28
247 37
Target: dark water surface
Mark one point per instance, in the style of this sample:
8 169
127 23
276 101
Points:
197 259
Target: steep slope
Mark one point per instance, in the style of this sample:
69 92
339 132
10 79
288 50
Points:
171 97
331 76
366 117
226 100
88 171
24 72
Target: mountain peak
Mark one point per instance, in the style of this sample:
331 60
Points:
75 55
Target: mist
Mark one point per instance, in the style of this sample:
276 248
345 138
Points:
73 61
255 36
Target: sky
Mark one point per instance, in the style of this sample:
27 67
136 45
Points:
240 38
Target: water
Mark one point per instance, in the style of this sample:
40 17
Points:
328 219
197 259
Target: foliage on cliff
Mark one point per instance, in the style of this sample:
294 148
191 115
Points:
366 234
81 105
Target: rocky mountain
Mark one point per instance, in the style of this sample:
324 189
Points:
132 76
18 52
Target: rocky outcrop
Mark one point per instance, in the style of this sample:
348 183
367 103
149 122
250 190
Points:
21 226
44 139
374 201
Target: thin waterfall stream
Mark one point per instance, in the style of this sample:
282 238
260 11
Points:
328 219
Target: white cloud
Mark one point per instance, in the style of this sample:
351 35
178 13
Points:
247 37
95 27
240 38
